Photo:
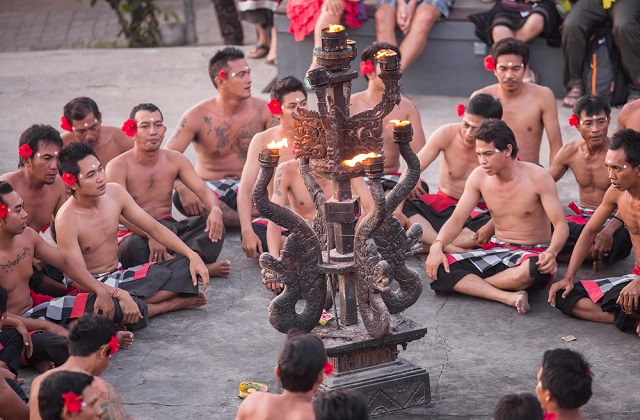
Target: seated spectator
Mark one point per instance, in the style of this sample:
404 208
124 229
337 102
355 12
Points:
579 25
519 20
414 18
302 366
564 383
520 406
67 395
340 404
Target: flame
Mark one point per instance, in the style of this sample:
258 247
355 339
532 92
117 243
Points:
359 158
278 144
334 28
398 123
385 53
350 42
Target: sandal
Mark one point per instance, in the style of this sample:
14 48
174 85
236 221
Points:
574 94
260 51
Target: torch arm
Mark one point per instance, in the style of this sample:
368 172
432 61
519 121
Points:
315 191
405 185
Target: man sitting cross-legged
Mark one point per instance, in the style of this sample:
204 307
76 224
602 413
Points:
521 198
91 346
611 300
87 226
585 158
148 174
456 145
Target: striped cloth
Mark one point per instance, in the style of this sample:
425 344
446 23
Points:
498 252
598 288
222 187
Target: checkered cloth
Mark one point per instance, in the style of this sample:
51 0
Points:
498 252
222 187
598 288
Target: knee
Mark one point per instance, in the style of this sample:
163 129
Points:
385 16
425 17
623 28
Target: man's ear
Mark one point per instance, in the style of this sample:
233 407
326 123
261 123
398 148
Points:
275 371
103 352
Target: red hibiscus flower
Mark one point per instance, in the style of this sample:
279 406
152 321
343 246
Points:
72 402
328 368
222 74
25 150
3 211
68 178
65 124
275 107
460 109
113 345
366 67
489 64
130 127
573 120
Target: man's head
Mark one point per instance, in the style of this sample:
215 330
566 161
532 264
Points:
594 114
81 161
90 336
290 92
85 118
80 405
369 53
495 144
3 305
481 106
151 128
623 159
228 70
564 380
520 406
14 218
340 404
44 143
511 56
301 361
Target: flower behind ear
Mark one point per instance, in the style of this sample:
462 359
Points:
3 211
328 368
68 178
489 64
130 127
275 107
72 402
460 109
573 120
65 124
25 150
366 67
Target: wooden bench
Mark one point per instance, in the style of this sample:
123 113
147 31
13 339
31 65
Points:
450 65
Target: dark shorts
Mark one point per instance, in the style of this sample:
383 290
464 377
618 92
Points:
621 243
259 226
438 219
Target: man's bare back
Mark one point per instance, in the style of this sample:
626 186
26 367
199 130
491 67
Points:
265 406
111 143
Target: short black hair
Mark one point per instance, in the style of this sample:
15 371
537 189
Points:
69 157
592 105
89 334
340 404
301 360
520 406
285 86
144 107
497 132
372 49
3 299
220 61
5 188
629 140
567 375
34 134
485 106
78 109
50 401
510 46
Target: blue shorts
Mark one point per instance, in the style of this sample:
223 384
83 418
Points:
442 5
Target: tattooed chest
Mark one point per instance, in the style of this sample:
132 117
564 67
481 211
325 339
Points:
8 266
231 137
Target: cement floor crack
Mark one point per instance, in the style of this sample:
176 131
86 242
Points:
448 348
142 378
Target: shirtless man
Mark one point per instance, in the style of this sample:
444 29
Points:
456 145
148 174
528 108
43 192
83 122
287 94
629 116
405 110
522 199
585 159
87 227
221 129
612 300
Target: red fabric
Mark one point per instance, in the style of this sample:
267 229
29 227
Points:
37 298
44 229
578 218
439 201
79 305
549 416
142 272
304 14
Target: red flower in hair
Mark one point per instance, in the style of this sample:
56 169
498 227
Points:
72 402
3 211
222 74
366 67
573 120
25 150
328 368
65 124
113 345
460 109
68 178
489 64
275 107
130 127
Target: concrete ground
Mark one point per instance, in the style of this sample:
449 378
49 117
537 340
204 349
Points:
189 364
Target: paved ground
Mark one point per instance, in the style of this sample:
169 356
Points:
188 364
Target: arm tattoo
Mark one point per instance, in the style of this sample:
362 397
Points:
10 264
278 181
183 122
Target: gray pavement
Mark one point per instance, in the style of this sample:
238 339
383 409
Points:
188 364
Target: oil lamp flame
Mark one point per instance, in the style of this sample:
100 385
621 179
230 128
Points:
334 28
359 158
278 144
384 53
398 123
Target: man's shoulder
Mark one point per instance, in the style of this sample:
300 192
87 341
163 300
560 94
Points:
12 178
68 137
445 134
543 93
490 89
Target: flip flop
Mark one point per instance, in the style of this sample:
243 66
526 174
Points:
574 94
259 52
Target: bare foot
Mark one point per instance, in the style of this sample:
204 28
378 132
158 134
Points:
196 301
20 381
522 302
44 366
219 268
125 339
